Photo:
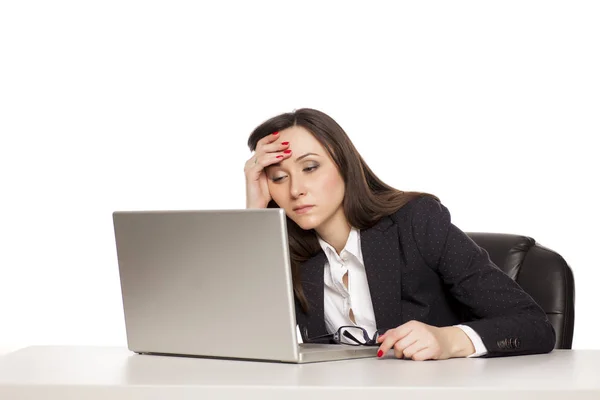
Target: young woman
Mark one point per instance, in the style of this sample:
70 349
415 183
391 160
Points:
369 256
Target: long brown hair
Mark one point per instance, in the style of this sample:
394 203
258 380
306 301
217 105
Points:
367 199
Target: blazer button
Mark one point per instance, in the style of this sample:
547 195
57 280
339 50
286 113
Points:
501 344
517 343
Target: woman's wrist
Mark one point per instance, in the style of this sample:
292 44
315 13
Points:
460 343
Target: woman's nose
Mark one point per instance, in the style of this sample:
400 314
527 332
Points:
297 188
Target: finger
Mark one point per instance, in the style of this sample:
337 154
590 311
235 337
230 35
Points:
269 154
398 353
414 348
268 139
260 162
407 341
382 336
406 328
386 333
273 148
422 355
392 337
387 344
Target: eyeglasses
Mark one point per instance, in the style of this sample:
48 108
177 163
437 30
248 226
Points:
352 335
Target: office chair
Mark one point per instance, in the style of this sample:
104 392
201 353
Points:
541 272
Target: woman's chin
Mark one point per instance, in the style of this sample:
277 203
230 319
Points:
306 223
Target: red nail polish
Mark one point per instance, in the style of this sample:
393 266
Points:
287 151
379 353
285 143
279 157
275 133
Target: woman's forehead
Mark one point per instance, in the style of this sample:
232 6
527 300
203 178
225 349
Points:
300 140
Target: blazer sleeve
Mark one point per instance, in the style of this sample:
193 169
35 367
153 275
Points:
508 320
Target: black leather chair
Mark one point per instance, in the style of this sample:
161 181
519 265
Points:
541 272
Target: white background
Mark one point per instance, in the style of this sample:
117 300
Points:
122 105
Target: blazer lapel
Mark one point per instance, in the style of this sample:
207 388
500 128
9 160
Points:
383 265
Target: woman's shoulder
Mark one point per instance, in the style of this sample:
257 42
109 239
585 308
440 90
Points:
420 210
419 204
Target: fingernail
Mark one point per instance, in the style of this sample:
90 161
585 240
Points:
285 143
379 353
275 133
279 157
287 151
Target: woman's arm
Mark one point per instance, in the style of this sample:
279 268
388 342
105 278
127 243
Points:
506 318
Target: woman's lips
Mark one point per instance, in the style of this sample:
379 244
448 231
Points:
304 210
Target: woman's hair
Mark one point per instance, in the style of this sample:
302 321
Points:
367 199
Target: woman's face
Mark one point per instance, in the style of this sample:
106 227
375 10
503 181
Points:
303 179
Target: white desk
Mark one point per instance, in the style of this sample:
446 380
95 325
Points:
115 373
5 349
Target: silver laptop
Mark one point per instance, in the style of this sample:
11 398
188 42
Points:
213 283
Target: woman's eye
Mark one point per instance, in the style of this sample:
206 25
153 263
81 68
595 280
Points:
307 169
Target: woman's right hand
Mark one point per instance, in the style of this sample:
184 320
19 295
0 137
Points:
269 150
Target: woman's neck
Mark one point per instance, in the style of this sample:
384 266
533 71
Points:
335 231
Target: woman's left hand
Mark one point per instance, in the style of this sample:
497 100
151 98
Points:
420 342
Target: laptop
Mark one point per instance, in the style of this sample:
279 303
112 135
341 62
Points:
213 283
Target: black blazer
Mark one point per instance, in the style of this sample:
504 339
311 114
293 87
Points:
422 267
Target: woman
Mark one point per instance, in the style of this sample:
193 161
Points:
365 254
